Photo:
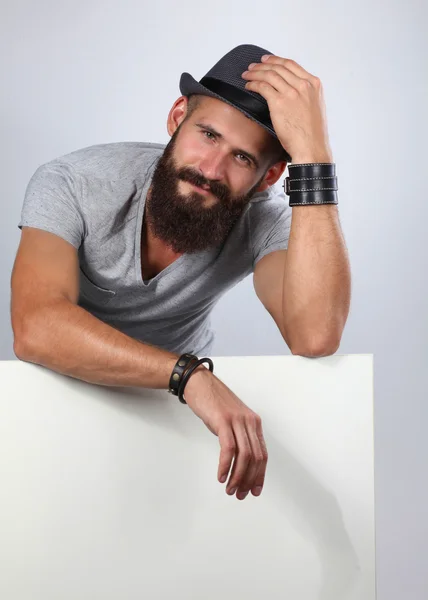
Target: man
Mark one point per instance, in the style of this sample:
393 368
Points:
126 248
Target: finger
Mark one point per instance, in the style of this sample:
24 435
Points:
264 89
257 459
290 64
242 456
259 481
268 76
288 76
227 452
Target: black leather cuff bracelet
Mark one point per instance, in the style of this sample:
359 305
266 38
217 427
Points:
311 183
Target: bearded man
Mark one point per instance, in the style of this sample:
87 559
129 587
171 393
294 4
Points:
126 247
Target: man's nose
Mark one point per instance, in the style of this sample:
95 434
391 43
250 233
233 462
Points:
212 167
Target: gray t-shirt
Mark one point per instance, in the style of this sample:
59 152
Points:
94 198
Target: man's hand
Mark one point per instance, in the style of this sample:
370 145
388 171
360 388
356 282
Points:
238 428
296 105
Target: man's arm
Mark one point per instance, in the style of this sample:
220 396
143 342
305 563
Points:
306 288
50 329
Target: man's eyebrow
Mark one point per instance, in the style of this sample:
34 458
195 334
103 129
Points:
237 150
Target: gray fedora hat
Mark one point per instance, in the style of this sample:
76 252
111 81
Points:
224 81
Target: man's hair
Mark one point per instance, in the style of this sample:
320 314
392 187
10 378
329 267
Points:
274 149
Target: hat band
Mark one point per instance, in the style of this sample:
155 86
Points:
244 100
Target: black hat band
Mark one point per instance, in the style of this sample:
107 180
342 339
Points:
242 99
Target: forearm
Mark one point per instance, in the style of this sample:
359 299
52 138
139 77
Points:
317 280
66 338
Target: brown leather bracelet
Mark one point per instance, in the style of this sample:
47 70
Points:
188 373
180 367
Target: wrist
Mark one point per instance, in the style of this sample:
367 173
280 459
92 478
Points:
199 375
312 156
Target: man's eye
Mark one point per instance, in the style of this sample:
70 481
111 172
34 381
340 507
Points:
246 159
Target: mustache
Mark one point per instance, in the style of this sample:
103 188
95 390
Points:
215 188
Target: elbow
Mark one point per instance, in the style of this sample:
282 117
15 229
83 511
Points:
18 348
21 351
24 340
18 329
316 349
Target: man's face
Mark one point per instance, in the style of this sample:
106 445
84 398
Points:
184 217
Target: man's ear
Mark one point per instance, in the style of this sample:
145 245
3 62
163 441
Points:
177 114
272 175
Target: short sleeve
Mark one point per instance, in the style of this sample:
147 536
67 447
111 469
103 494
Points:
270 224
53 202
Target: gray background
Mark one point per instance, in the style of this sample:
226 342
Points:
79 73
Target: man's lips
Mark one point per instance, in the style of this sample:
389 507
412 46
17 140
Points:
205 190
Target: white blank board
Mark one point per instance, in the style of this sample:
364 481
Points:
112 494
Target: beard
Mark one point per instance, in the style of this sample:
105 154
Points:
183 221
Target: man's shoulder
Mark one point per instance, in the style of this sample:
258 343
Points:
114 148
273 192
268 200
115 158
268 209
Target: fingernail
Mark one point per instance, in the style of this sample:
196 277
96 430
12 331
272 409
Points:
223 478
243 496
257 490
233 490
265 56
